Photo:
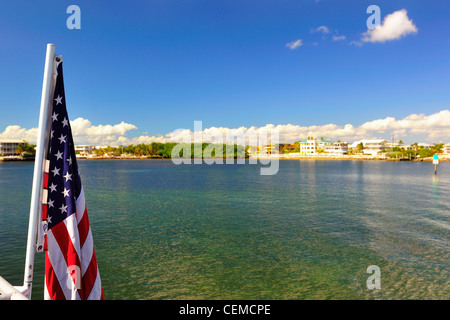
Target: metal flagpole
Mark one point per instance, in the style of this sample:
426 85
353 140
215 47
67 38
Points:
38 175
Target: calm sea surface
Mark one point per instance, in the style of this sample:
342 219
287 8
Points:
163 231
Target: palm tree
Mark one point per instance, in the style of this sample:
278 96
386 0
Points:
438 147
360 147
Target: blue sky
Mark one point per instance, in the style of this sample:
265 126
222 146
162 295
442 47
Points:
160 65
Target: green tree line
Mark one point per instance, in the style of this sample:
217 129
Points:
164 150
417 151
26 149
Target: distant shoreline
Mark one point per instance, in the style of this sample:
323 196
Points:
442 158
356 157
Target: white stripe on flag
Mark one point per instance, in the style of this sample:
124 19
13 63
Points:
60 268
86 252
96 292
80 205
72 229
44 196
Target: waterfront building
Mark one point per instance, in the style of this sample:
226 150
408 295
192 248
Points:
322 145
270 149
308 146
406 147
446 148
424 145
392 145
371 147
337 148
84 150
8 147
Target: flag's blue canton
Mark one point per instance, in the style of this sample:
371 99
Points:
64 184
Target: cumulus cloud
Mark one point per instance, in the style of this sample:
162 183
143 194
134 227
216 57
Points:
83 131
15 132
394 26
322 29
294 44
338 38
432 128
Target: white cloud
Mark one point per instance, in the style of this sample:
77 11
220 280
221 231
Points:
356 43
415 127
394 26
294 44
322 29
338 38
82 130
433 128
15 132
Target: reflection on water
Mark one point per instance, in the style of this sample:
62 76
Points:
224 232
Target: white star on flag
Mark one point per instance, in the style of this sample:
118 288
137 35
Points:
55 171
52 187
62 139
66 192
65 122
63 208
59 155
50 203
68 176
58 100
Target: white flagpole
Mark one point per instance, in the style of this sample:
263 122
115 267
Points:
38 175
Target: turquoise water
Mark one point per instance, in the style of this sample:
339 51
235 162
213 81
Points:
163 231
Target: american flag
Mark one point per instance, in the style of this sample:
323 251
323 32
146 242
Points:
71 271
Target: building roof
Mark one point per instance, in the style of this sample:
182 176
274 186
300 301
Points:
328 141
354 144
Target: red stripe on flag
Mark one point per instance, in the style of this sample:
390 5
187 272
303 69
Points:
44 212
90 275
65 244
51 281
45 180
83 228
62 237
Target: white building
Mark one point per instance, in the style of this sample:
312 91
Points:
446 148
337 148
392 145
323 144
308 146
84 150
371 147
424 145
271 149
8 147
